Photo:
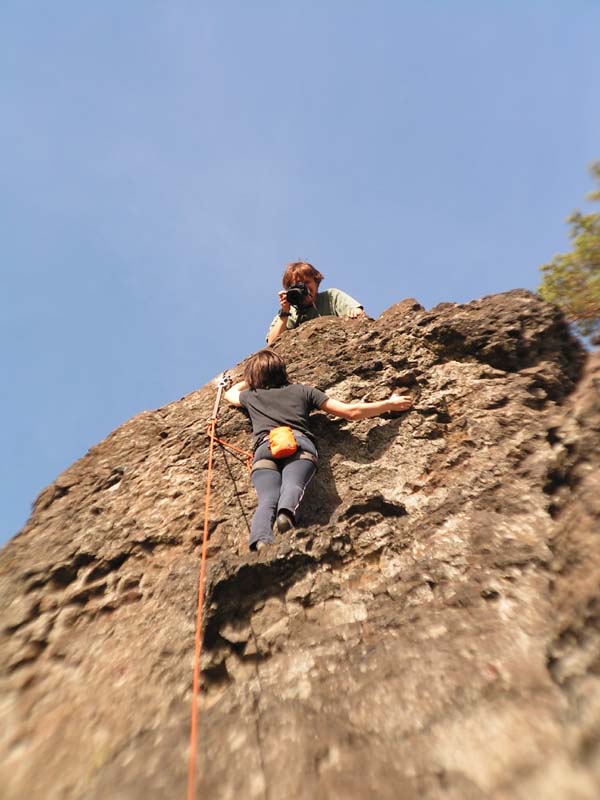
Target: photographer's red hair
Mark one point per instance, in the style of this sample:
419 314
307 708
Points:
298 272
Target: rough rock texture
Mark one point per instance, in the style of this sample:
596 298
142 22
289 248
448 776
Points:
432 631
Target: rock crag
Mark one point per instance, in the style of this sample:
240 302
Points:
432 630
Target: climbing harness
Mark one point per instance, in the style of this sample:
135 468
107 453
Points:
268 463
222 382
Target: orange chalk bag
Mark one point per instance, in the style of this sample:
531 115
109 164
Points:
282 442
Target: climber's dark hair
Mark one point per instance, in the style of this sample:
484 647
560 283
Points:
265 370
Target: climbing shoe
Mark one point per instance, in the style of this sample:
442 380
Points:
284 521
260 545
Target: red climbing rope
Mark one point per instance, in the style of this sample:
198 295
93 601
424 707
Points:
249 456
198 642
191 790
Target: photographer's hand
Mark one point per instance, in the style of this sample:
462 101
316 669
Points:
356 312
285 306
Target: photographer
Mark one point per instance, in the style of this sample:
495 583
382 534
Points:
285 453
301 300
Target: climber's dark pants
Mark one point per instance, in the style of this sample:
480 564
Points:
281 488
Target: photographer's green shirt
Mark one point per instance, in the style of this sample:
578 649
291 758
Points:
329 303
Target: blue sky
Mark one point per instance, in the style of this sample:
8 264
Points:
161 161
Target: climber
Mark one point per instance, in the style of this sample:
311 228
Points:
301 300
281 473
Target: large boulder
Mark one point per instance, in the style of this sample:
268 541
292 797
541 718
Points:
432 630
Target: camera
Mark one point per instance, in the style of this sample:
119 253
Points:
296 293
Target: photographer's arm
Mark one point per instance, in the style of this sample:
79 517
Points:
278 328
280 323
354 411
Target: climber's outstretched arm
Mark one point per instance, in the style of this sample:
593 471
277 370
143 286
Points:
353 411
232 395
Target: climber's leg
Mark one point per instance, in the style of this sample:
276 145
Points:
297 473
266 479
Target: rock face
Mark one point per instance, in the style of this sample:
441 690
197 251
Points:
431 631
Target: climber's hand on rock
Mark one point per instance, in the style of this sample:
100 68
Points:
400 402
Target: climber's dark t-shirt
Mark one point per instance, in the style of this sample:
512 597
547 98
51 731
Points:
286 405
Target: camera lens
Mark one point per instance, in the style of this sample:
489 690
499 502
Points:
296 293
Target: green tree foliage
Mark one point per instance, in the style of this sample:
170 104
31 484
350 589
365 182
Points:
572 280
